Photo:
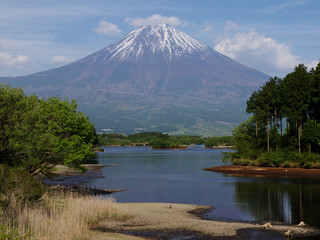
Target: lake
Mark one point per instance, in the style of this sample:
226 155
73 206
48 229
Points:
177 176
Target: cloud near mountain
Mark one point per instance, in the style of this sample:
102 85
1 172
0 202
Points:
257 50
153 20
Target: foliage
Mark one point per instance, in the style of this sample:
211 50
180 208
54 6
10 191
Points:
220 141
263 141
161 143
156 139
279 159
37 134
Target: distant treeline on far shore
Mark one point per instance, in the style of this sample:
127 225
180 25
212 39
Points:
161 140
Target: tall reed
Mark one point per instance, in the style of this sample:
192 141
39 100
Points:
60 217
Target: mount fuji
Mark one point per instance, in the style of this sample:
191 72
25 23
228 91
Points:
155 78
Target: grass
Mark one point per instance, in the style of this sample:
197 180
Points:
58 217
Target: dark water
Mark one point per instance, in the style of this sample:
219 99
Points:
176 176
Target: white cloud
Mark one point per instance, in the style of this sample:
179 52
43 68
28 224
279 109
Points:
312 64
16 64
61 60
8 60
208 29
281 7
107 28
152 20
258 51
229 25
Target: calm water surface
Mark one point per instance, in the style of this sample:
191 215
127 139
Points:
176 176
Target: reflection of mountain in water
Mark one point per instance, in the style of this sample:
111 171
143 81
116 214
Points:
281 202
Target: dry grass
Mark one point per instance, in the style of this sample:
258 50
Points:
63 217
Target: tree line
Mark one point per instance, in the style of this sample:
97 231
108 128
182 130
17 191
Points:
285 119
162 140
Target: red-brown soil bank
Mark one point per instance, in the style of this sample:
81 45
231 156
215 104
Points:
267 171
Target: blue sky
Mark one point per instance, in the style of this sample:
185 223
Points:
272 36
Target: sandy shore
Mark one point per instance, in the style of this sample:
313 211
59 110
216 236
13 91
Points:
266 171
174 221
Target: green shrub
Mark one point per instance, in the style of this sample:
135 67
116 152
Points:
286 164
271 159
242 162
316 165
17 187
307 165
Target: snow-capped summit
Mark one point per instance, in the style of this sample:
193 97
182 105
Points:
153 40
158 39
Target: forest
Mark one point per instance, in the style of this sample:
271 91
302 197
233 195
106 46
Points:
162 140
283 129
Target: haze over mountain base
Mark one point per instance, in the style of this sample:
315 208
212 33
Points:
127 118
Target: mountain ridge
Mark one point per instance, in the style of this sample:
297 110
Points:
152 69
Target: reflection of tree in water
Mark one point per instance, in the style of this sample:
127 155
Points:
288 203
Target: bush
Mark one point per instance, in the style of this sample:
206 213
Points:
17 187
242 162
164 144
316 165
276 159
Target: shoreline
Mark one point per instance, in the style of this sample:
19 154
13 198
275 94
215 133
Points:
68 179
266 171
175 221
182 221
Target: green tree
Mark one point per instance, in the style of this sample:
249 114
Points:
13 108
264 105
311 135
245 142
297 97
38 134
315 93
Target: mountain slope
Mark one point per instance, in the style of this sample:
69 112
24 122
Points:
155 77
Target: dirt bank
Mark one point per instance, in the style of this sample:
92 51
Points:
267 171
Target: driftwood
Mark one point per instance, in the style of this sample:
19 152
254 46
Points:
288 234
267 225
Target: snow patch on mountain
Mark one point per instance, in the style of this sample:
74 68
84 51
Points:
158 39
